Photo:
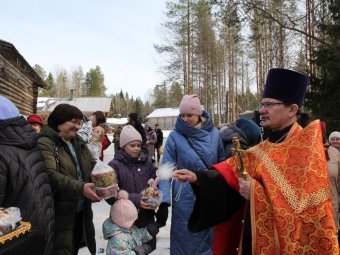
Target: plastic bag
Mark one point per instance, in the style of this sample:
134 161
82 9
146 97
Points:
9 219
152 195
105 180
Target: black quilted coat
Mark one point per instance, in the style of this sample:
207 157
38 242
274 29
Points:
24 183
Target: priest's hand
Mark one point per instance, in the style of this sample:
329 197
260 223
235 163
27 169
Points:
185 175
244 187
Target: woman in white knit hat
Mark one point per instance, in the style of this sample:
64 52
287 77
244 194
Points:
134 169
333 163
334 140
195 144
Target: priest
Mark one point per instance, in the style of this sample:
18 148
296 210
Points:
282 204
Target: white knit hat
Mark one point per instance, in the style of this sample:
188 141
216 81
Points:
123 211
129 134
191 104
334 134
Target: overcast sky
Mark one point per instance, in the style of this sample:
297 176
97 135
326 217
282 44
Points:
117 35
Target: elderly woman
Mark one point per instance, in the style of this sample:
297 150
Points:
69 163
195 144
334 140
333 160
36 122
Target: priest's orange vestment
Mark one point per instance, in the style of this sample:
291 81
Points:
290 204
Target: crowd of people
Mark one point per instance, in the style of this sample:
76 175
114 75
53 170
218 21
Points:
249 188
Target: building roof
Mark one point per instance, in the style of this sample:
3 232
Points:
8 51
85 104
116 121
164 112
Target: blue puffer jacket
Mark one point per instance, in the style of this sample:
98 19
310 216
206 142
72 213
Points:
194 149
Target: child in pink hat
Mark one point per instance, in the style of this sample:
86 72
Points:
122 235
134 169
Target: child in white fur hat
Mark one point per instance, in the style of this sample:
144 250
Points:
122 235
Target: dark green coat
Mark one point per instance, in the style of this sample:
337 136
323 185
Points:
67 189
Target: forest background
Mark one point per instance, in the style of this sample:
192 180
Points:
222 50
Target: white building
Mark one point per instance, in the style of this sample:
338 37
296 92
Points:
165 117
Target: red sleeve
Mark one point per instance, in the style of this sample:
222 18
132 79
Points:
105 142
228 173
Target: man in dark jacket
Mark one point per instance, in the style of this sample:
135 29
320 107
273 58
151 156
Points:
133 121
24 183
159 142
247 132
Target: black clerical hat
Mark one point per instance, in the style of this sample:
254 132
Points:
286 85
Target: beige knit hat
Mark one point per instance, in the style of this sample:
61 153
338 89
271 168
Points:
190 104
123 211
129 134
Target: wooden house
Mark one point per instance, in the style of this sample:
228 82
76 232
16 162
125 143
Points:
18 80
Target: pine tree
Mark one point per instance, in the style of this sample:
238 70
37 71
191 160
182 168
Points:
94 82
160 96
323 97
49 89
175 95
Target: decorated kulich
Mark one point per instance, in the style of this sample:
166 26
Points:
152 196
151 192
105 180
9 219
10 224
24 228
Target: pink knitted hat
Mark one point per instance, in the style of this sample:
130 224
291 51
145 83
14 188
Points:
190 104
129 134
123 211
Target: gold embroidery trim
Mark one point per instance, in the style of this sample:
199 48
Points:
298 205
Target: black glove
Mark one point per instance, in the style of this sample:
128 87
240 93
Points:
143 249
153 228
162 214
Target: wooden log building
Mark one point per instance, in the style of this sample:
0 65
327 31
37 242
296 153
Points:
18 80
